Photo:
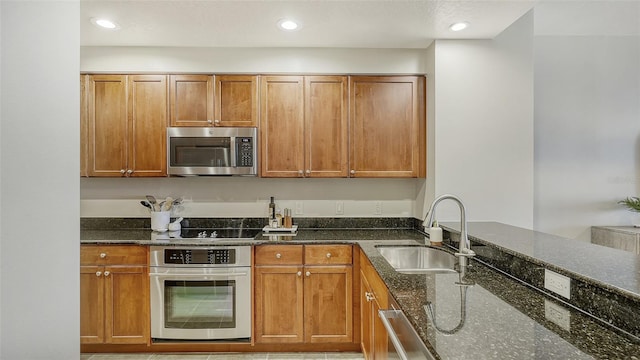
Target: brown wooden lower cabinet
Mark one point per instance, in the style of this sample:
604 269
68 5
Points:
373 297
114 298
308 302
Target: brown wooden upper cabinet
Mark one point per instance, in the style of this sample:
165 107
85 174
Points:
126 127
304 126
84 149
191 100
208 100
387 132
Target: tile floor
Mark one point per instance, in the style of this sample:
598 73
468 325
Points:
226 356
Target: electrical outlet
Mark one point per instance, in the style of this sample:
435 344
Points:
378 209
299 208
557 315
557 283
339 208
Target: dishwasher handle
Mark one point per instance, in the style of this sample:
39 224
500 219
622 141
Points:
413 347
384 316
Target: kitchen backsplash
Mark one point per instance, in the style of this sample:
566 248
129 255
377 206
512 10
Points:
248 197
102 223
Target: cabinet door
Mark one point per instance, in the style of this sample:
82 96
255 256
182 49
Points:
236 100
326 126
91 304
366 323
278 304
385 126
84 149
328 306
191 100
380 335
107 125
147 125
127 305
282 126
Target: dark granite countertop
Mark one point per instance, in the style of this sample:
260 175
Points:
504 318
615 269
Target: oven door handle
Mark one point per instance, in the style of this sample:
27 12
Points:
200 276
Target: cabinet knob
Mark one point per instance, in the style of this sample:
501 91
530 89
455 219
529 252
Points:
103 255
278 256
106 273
98 273
129 172
217 121
308 172
209 121
328 255
122 171
353 172
300 172
299 273
308 273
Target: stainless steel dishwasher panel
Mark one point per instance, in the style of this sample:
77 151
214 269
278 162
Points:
402 336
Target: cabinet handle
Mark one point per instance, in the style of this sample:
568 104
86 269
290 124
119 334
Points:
369 296
299 273
308 273
328 255
353 172
98 273
106 273
278 256
103 255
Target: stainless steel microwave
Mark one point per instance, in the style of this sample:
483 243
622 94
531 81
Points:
212 151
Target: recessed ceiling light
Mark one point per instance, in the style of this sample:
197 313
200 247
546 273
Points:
459 26
288 25
104 23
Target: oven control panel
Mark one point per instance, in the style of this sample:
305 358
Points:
200 256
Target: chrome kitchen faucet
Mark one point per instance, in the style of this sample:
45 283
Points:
464 251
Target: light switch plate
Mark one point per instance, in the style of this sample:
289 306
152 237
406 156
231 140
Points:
557 283
299 208
339 208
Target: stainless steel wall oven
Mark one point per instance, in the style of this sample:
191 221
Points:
200 293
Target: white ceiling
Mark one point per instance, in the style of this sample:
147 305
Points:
324 23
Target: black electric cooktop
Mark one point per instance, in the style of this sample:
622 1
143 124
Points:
225 233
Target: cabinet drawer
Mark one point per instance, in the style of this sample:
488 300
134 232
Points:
113 255
327 254
279 255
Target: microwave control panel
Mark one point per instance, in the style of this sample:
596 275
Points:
244 153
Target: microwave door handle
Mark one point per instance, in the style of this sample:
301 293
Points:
233 151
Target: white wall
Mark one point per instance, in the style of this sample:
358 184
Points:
39 151
587 115
484 125
247 197
252 60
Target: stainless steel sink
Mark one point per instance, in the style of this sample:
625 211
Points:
418 259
